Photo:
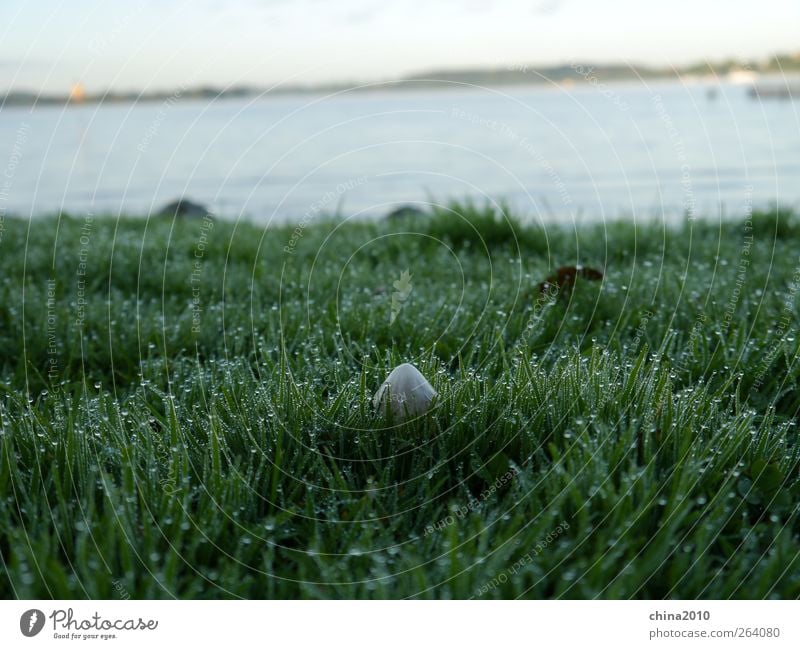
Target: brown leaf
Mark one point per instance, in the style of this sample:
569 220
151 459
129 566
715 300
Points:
564 278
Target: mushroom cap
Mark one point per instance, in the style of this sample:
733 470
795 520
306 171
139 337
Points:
406 392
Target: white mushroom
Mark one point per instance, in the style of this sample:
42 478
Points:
406 392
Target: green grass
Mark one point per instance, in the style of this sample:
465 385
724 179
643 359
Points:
633 437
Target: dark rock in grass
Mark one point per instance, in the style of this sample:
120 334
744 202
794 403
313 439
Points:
405 212
185 208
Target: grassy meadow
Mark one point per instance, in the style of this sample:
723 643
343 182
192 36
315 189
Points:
185 408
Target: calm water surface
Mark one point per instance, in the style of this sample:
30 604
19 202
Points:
628 150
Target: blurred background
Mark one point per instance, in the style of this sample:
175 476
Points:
281 111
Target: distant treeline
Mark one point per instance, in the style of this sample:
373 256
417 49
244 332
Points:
513 74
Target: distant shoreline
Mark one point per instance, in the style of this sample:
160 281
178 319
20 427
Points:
779 68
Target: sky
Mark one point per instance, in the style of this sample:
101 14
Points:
49 45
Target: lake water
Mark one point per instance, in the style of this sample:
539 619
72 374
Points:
580 152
